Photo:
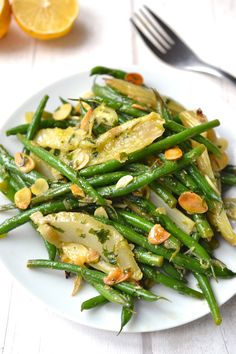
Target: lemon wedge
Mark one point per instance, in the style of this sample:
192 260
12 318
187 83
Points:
45 19
5 17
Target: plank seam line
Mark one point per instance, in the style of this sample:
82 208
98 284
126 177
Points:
8 315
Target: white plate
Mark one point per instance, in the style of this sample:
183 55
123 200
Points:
51 286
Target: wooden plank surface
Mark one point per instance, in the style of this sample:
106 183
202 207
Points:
103 35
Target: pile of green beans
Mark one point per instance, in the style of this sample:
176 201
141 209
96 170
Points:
130 210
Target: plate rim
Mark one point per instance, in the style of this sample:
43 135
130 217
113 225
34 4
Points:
42 89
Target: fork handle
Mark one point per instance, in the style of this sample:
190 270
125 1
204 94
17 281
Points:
214 71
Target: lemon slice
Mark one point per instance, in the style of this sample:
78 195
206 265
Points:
45 19
5 17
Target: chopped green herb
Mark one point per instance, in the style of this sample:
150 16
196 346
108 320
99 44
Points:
110 255
102 234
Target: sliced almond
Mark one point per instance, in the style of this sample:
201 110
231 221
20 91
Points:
174 153
158 235
124 181
192 203
116 276
74 253
135 78
77 191
101 212
24 162
63 112
86 119
82 159
138 106
143 192
77 285
22 198
40 186
92 256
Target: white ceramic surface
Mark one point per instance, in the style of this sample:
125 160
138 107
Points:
51 286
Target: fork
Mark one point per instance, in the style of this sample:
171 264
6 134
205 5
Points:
167 45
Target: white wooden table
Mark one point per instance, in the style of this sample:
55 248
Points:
103 35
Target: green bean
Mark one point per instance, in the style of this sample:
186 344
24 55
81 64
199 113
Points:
150 176
168 224
17 182
203 226
186 180
65 170
34 125
94 302
102 70
126 314
24 216
7 189
145 225
230 169
173 184
51 249
108 292
52 193
45 123
125 287
164 193
179 259
7 160
147 257
209 296
228 179
172 272
161 145
7 207
158 188
111 94
175 284
202 183
122 105
96 181
175 127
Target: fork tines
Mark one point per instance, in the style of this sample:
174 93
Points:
155 33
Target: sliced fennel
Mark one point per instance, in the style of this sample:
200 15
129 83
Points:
68 227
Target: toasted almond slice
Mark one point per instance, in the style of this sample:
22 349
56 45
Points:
135 78
82 159
24 162
101 212
77 285
77 191
158 235
85 121
63 112
138 106
116 276
22 198
40 186
124 181
92 256
192 203
174 153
